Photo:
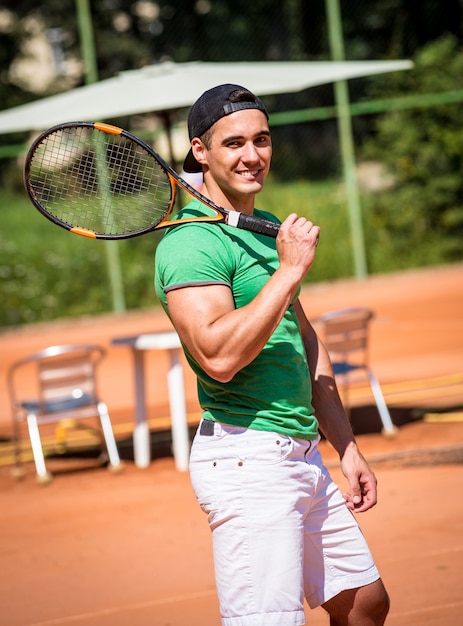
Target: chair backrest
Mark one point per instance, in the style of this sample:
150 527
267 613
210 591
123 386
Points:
345 334
58 371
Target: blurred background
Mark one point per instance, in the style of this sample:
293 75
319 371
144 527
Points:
406 127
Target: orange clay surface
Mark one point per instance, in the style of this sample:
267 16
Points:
133 549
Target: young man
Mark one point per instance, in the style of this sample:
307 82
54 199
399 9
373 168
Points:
281 529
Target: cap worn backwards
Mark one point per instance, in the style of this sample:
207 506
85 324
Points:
211 107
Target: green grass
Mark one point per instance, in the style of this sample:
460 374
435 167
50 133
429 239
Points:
48 273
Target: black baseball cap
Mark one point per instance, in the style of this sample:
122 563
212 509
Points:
211 107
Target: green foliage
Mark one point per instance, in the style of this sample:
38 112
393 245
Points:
423 150
324 204
46 273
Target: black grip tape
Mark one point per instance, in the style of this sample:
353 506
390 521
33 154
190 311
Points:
258 225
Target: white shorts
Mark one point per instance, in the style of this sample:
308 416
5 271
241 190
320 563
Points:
280 527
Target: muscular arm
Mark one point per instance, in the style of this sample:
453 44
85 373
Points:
334 422
222 338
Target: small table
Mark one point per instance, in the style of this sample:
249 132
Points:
169 341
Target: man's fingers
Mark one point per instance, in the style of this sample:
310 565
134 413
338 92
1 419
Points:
295 222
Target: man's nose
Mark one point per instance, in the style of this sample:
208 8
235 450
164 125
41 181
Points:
250 152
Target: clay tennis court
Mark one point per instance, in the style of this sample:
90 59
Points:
133 549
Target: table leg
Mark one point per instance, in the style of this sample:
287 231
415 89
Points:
141 433
180 438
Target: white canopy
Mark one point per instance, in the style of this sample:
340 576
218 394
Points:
168 86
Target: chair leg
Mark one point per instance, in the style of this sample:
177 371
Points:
37 450
18 470
108 434
388 427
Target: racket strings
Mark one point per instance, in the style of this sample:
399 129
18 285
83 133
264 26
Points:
105 183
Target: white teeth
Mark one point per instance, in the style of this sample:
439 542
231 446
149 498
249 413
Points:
248 173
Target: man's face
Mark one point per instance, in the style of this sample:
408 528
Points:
240 151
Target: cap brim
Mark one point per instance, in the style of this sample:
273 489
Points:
191 165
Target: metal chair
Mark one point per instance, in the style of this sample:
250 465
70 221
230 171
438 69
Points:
345 335
56 384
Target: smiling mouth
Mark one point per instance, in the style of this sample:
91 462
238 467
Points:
248 173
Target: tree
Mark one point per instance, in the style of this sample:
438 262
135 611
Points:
423 150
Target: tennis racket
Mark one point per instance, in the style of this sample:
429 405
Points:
102 182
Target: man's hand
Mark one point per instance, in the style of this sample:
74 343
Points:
296 244
362 494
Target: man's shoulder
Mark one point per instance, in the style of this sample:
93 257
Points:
193 240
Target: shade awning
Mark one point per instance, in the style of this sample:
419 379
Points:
169 86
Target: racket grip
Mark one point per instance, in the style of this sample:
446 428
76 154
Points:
257 225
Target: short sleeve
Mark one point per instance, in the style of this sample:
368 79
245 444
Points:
193 254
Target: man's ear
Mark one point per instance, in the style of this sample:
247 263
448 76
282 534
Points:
199 150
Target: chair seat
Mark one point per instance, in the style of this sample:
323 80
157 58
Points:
342 367
59 405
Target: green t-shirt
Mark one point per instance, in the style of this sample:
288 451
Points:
273 392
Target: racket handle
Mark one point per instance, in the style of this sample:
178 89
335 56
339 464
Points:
255 224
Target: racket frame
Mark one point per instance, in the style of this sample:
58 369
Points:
232 218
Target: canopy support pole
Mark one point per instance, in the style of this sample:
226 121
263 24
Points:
346 141
91 76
